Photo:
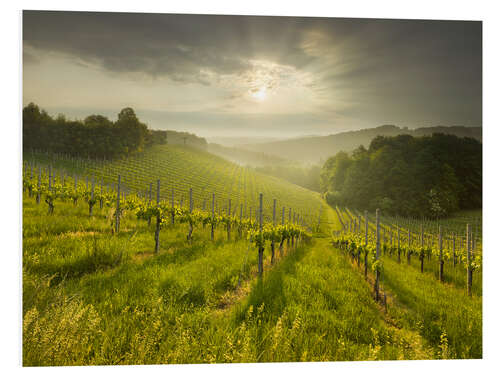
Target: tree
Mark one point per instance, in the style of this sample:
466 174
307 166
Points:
131 131
425 176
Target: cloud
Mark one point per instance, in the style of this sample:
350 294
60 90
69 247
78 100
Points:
178 46
367 70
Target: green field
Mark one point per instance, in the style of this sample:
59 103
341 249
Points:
438 310
94 297
181 168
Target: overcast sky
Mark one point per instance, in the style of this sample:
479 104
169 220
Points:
246 76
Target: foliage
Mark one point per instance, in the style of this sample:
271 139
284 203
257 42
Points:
431 176
96 136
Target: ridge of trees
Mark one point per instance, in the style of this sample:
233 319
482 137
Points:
96 136
430 176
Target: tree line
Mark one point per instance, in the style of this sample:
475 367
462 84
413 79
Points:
96 136
430 176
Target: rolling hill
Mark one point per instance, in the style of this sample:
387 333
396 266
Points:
316 148
183 167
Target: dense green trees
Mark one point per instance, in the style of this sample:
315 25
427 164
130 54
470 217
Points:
96 136
428 176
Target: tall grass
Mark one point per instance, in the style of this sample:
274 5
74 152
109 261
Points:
441 313
90 297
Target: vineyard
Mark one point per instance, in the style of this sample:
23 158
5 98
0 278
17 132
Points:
433 244
182 257
181 168
385 249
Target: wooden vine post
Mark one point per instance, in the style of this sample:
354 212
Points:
408 251
117 212
75 188
261 247
91 201
49 200
358 255
441 260
377 254
366 245
469 268
274 226
282 223
101 198
213 218
240 229
30 190
399 243
390 229
39 184
383 240
190 234
149 199
454 252
289 222
422 255
158 219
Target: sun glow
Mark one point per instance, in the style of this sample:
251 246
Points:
259 94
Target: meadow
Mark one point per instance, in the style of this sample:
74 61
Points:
95 296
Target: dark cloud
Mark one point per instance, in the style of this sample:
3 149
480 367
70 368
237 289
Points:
158 44
388 70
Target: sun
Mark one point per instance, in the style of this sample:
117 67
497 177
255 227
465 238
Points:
260 94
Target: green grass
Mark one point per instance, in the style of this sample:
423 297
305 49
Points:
436 309
93 298
455 275
442 313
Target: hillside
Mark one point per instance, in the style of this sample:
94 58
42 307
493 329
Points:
314 149
441 173
183 167
181 138
245 157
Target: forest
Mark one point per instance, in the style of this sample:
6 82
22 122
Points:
431 176
96 136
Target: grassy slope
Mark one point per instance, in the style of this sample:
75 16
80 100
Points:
181 168
455 275
441 312
92 298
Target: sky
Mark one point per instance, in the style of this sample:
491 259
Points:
240 76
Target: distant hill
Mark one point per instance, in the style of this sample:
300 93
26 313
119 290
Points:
236 141
317 148
178 138
246 157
